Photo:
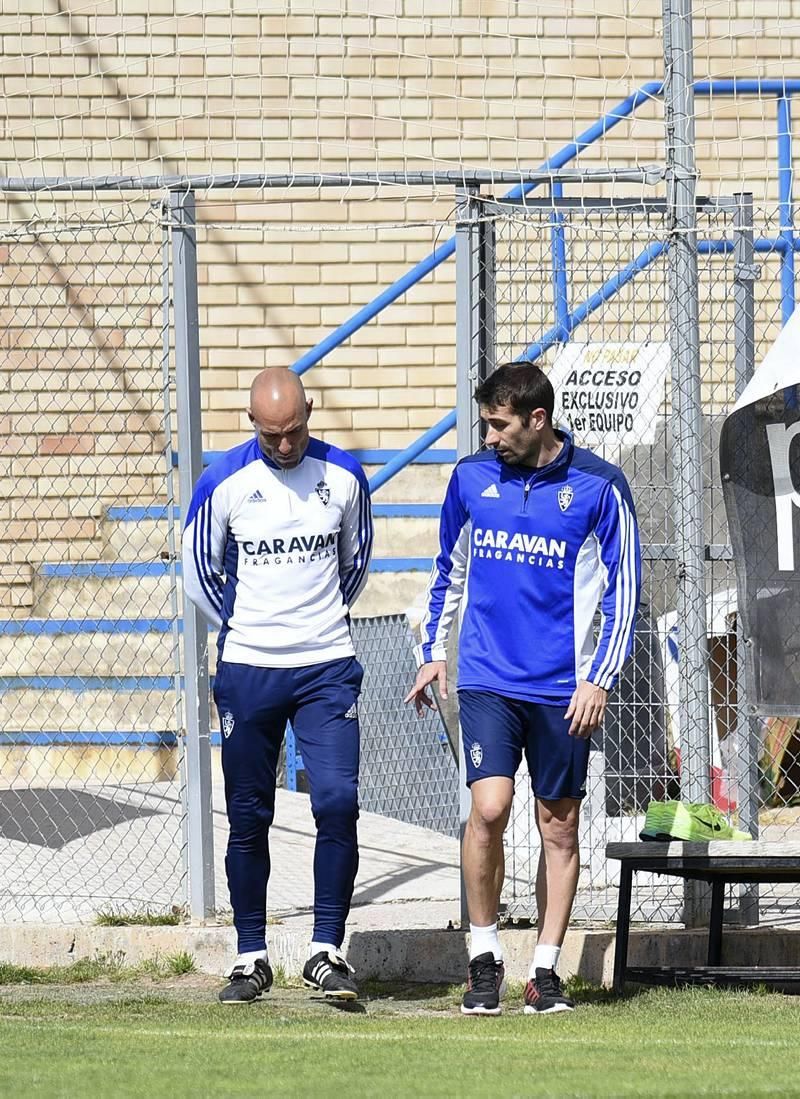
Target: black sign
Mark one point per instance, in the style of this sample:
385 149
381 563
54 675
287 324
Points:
760 467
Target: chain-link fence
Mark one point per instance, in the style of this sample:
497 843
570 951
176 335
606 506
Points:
91 799
599 275
408 767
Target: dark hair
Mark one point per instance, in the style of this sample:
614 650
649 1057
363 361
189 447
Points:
522 387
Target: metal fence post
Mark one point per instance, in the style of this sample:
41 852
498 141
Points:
747 735
195 631
475 357
687 414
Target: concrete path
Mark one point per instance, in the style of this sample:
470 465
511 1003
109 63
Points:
124 851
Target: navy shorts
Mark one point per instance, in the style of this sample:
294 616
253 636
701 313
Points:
496 731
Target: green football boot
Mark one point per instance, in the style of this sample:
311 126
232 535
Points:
673 820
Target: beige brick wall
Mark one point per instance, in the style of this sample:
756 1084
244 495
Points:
158 86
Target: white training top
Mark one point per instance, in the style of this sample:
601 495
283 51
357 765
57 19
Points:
277 557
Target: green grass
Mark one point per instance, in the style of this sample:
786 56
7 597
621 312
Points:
110 967
172 918
401 1042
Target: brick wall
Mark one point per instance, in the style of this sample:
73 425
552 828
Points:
154 86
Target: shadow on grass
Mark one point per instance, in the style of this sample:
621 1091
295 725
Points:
408 991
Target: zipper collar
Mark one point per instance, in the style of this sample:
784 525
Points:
529 474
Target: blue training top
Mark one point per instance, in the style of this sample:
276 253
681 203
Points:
533 552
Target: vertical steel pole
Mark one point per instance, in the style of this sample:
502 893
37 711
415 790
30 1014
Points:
172 541
471 340
687 415
747 743
195 630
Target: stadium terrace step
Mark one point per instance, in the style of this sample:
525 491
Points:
114 589
143 532
87 647
89 704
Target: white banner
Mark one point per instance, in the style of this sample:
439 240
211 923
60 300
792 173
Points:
610 392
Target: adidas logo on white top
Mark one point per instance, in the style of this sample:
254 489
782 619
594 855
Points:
492 491
257 498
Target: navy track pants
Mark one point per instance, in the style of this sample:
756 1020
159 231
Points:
254 706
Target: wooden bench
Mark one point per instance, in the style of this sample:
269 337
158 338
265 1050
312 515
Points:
718 863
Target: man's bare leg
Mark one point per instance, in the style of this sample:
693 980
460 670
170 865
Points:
483 858
556 884
483 862
559 866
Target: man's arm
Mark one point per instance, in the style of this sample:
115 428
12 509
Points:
203 547
445 589
355 540
618 538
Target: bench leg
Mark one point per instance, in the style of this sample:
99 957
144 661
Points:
623 927
715 922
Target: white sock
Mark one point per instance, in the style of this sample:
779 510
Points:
249 957
323 948
544 957
484 940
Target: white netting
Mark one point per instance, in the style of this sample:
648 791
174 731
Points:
350 86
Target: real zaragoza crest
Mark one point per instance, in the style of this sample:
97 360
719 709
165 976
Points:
323 492
565 495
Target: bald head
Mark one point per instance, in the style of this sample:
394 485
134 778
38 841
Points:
279 412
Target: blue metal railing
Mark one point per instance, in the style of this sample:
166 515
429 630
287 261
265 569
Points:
566 320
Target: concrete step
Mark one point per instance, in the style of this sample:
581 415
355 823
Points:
88 647
117 590
63 764
401 529
135 708
117 644
418 483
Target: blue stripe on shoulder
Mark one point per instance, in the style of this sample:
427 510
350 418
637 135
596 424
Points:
480 456
220 470
585 461
327 452
588 462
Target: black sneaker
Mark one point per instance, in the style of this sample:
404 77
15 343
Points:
247 982
543 995
330 974
485 978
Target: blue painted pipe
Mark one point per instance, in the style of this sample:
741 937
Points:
785 206
648 92
747 87
558 247
785 216
596 131
290 745
377 305
410 453
600 297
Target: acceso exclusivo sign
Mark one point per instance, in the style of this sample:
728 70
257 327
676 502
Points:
610 392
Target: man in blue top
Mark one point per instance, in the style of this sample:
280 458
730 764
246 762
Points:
534 534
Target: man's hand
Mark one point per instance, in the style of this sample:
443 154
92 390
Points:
587 709
435 671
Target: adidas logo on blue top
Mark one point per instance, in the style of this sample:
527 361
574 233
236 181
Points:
492 491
